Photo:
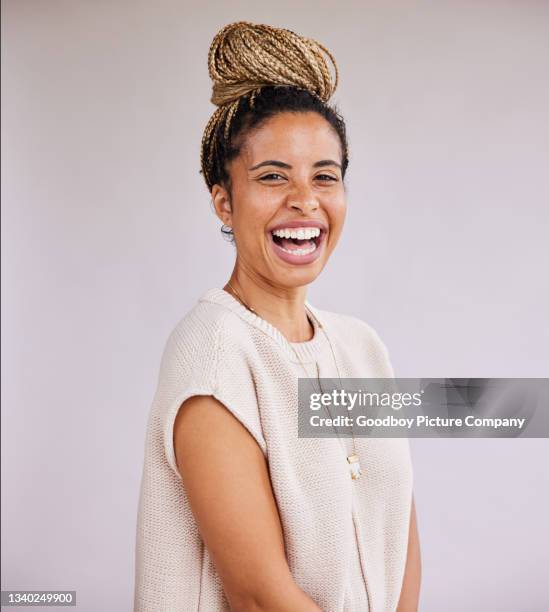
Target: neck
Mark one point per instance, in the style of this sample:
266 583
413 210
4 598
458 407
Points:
284 308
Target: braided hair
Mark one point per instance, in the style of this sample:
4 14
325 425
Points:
259 71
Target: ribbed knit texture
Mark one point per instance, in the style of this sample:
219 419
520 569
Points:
346 541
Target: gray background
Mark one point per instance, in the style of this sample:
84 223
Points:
108 238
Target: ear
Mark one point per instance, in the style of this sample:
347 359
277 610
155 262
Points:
222 204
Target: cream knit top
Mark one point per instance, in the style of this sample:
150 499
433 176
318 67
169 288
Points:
346 540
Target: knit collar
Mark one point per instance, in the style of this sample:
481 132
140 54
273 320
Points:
306 351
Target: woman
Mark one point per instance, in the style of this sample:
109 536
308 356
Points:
236 512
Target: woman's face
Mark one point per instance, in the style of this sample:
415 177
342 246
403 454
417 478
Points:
286 182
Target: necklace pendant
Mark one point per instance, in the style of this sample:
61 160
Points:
354 464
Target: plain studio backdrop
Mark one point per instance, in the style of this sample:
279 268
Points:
108 239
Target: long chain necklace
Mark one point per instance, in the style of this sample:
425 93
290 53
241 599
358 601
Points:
352 459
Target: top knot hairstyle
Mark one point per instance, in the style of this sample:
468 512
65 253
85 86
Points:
259 71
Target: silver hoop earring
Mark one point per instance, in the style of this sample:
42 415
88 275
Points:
227 232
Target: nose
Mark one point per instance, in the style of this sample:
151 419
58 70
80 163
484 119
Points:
303 199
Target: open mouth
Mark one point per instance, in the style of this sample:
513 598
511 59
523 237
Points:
298 242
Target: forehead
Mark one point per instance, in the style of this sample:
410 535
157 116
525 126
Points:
307 136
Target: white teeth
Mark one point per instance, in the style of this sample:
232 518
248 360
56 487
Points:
301 233
299 252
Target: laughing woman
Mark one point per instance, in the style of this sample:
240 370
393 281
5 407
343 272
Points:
236 512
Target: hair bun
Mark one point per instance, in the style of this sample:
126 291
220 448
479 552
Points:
244 56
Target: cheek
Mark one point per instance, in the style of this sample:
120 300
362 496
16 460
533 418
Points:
252 216
336 208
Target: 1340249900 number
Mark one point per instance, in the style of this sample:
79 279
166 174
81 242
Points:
42 598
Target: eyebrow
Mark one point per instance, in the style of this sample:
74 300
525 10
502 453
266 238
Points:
279 164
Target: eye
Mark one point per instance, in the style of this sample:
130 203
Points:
326 177
270 177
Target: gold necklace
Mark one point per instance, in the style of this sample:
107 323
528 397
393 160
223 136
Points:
352 459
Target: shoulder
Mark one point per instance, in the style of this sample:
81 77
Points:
353 331
347 325
190 346
203 322
205 328
195 363
201 338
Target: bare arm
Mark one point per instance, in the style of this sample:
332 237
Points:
409 596
227 481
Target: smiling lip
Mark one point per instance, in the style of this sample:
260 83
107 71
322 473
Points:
303 223
299 260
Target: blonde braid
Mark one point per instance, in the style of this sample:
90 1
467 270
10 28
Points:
244 57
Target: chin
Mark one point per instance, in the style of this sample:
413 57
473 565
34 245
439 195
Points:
293 277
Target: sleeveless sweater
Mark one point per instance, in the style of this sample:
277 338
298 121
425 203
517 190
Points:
345 540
